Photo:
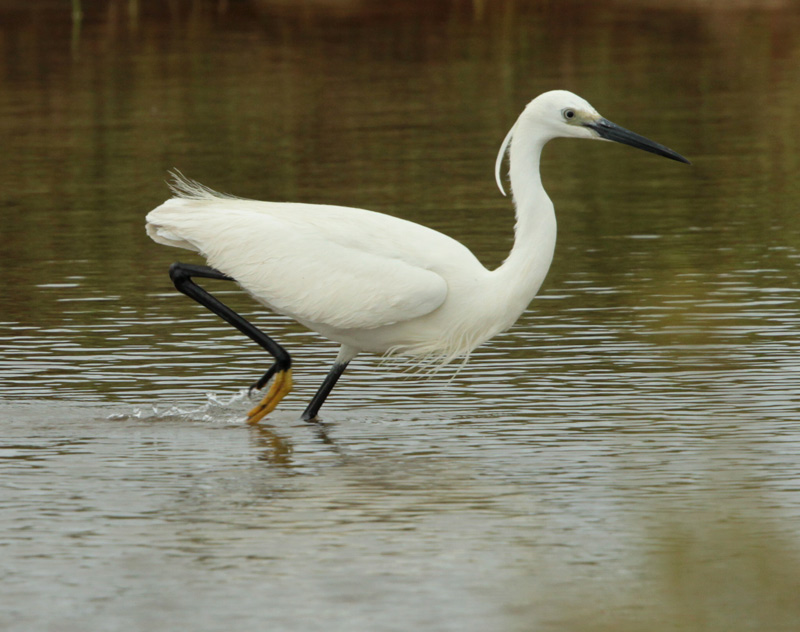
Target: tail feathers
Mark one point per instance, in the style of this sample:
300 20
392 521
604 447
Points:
170 223
188 189
164 236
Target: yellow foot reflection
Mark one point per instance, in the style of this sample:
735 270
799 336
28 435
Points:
281 385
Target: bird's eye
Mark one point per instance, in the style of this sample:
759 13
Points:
568 114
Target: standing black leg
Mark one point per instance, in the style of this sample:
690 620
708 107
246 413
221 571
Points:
310 413
181 275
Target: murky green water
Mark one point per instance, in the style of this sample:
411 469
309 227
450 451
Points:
625 458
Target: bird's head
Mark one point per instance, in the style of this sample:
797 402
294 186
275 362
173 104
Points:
562 114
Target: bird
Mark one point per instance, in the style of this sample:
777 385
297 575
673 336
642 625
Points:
371 282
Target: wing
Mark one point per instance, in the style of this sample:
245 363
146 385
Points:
344 268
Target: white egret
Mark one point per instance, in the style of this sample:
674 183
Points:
372 282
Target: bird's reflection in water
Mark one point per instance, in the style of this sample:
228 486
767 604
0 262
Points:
272 447
321 431
278 450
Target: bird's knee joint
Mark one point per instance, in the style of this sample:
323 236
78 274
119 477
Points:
178 274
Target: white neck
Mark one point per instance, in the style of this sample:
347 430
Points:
523 272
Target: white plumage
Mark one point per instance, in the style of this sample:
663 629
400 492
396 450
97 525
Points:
376 283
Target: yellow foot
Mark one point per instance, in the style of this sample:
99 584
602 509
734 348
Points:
281 385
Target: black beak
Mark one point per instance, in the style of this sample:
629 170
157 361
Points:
611 131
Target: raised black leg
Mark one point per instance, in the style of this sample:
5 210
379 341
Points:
310 413
262 381
181 275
